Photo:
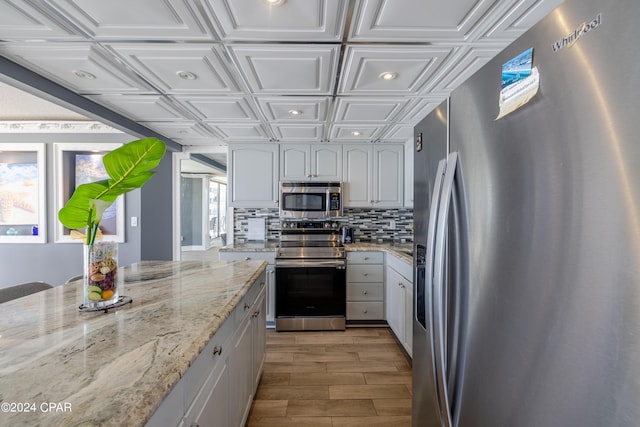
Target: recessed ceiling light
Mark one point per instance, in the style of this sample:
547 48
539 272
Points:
355 133
295 112
274 2
187 75
84 74
388 75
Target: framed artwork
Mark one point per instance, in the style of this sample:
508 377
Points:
75 164
23 209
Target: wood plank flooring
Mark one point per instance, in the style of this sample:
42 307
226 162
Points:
357 377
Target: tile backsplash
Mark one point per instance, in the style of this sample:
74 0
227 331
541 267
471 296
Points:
370 225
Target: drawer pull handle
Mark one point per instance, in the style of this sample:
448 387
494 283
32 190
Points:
217 350
246 306
365 274
247 258
364 292
256 314
366 258
364 311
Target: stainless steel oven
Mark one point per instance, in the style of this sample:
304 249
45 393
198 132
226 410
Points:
310 200
310 277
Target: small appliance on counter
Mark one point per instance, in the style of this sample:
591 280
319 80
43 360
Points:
346 235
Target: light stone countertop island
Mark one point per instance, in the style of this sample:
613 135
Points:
72 368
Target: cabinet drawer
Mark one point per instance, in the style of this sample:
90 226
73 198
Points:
365 273
200 369
365 257
365 311
365 292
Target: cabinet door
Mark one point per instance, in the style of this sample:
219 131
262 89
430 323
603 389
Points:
395 303
259 338
294 162
253 176
326 162
388 176
240 374
357 171
211 407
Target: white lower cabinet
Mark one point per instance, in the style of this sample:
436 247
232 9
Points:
396 290
241 377
259 336
218 388
399 299
245 368
210 407
268 256
365 286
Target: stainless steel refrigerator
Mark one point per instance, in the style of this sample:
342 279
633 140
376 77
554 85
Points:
527 235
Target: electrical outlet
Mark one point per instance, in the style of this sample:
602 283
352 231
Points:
134 221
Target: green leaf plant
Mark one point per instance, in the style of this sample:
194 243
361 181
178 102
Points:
129 167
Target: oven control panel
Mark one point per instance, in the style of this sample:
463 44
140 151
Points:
309 225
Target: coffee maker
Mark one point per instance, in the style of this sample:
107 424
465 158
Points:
347 234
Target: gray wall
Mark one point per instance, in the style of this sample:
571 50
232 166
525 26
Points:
156 225
54 262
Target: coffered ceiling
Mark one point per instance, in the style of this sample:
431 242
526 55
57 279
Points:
212 72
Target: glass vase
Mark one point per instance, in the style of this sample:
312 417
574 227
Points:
100 274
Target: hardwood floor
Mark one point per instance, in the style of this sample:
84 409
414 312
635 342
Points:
357 377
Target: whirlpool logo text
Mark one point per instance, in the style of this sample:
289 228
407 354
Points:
572 38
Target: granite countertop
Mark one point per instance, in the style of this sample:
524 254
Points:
404 251
115 368
267 246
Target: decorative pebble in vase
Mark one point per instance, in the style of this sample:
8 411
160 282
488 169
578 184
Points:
100 274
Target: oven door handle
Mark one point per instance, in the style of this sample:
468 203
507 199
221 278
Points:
311 263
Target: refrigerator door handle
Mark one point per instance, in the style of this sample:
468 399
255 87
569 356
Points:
425 312
439 298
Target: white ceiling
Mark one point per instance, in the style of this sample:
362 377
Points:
18 105
212 72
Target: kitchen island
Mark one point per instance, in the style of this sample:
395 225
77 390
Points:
63 367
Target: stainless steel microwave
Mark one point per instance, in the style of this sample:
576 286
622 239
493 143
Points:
310 199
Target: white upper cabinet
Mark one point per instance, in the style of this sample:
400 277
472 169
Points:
373 175
316 162
253 175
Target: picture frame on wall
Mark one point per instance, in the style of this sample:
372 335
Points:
23 209
74 165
